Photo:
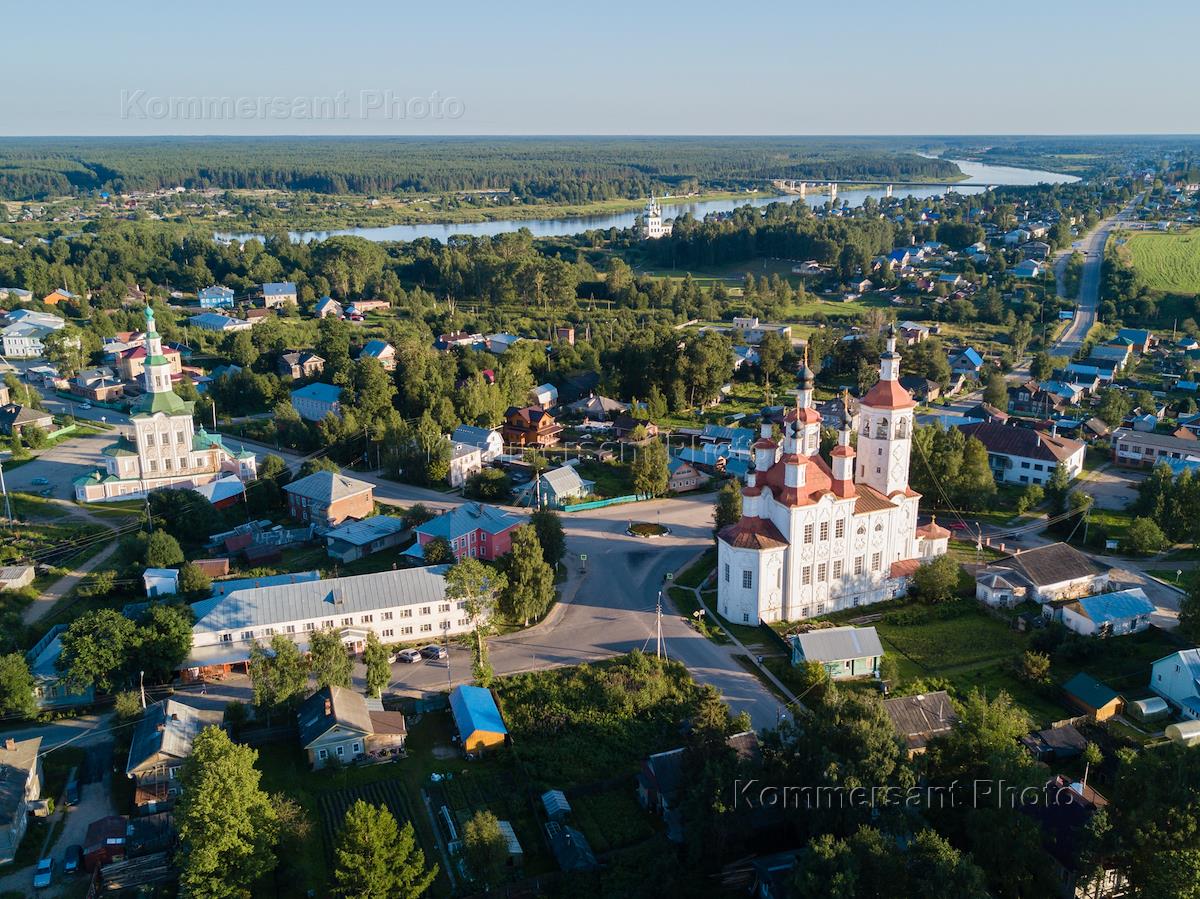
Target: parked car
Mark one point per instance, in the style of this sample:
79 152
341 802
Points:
39 482
73 787
409 655
46 491
72 859
85 405
433 651
44 874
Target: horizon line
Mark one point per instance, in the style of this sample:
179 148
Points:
602 135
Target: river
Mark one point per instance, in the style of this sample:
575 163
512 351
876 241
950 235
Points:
979 178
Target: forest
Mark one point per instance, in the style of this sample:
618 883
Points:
555 170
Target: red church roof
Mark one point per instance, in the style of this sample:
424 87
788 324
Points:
753 533
888 395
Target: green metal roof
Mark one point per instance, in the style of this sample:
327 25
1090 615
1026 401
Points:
1090 691
167 403
123 447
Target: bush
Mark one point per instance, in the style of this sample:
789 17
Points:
1143 537
128 705
489 485
936 581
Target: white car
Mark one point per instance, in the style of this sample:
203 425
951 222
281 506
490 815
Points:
85 405
411 656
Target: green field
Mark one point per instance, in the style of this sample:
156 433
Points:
1167 262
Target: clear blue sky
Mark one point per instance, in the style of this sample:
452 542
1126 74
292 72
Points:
611 67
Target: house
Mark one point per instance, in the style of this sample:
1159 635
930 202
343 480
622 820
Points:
986 412
661 780
1098 700
968 363
1141 340
554 488
340 724
1016 237
1055 744
994 589
314 401
1063 813
17 418
1137 448
625 428
399 605
131 361
59 295
381 350
844 652
465 460
300 364
23 338
1024 456
488 440
451 339
327 306
226 491
1037 250
14 577
1109 614
472 529
359 539
215 297
478 720
1176 678
598 408
499 343
277 294
329 498
20 785
162 742
104 842
51 690
753 331
1026 268
544 396
918 719
1048 573
1095 428
215 321
683 476
530 426
922 389
161 581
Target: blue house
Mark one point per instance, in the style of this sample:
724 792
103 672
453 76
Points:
480 725
215 297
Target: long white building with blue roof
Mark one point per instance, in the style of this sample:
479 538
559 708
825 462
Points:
398 606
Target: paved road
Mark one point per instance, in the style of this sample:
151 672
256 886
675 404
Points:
1092 246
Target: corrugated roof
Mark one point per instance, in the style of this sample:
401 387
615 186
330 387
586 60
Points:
837 643
475 710
327 486
168 727
1119 606
1053 564
332 707
1090 691
258 607
360 533
15 766
468 518
322 393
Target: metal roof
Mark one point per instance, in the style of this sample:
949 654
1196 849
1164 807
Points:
278 288
360 533
837 643
1119 606
475 710
1090 691
327 486
468 518
322 393
264 606
332 707
168 728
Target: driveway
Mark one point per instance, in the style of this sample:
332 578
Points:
1114 488
61 464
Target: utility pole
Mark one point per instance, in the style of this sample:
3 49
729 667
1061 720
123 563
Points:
7 503
142 687
658 648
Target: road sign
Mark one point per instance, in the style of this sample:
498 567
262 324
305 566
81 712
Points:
583 557
670 576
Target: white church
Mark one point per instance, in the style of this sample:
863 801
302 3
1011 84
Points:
165 449
817 536
653 226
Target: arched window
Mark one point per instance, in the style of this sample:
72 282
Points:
882 429
902 428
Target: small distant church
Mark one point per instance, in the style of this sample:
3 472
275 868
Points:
165 449
653 226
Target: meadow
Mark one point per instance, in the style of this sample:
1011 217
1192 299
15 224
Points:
1167 262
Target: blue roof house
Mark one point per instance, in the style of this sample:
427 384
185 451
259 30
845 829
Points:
215 297
480 725
314 402
1109 614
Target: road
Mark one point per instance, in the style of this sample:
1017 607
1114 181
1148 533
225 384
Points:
1091 246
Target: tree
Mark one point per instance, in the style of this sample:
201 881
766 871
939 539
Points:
227 825
320 463
936 581
1113 406
96 648
550 534
128 705
975 484
274 468
728 509
489 485
331 664
379 671
995 390
485 847
530 588
1030 497
280 676
649 469
438 551
163 639
377 859
163 551
479 587
1057 489
1035 666
1143 537
186 515
1189 612
16 686
192 579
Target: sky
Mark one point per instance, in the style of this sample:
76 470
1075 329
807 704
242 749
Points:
614 67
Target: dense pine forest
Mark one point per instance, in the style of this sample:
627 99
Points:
556 170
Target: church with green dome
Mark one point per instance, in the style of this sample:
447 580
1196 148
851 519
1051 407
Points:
165 449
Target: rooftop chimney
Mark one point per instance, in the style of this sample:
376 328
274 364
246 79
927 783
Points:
10 743
328 706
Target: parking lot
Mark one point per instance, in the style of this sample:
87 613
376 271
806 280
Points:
1113 487
60 465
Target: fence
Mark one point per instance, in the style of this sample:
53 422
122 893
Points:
601 503
61 432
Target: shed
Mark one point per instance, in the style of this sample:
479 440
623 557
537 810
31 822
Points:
556 804
844 651
480 725
1100 701
1055 743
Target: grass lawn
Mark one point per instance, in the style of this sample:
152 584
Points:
1169 262
611 478
1121 662
1185 581
612 819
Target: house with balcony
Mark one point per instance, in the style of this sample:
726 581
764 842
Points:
1025 456
530 426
